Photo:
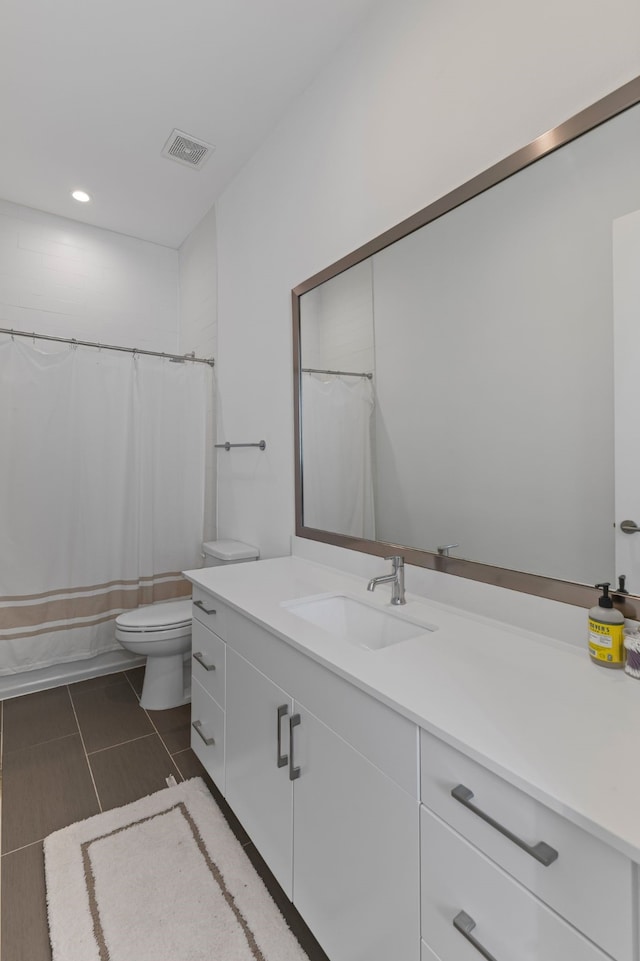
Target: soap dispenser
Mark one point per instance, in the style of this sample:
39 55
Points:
606 632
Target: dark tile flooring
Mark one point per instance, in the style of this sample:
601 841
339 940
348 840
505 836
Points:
69 753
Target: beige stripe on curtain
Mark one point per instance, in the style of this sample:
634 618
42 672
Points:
65 611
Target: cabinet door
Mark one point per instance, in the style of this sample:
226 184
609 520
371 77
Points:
356 851
257 787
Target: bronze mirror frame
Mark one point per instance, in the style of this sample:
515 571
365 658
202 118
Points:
559 590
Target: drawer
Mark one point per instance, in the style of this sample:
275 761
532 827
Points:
590 884
210 611
208 661
508 921
207 733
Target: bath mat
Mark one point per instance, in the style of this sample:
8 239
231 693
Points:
162 879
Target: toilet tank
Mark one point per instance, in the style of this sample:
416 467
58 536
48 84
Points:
216 553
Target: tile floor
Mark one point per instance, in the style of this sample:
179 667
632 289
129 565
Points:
70 752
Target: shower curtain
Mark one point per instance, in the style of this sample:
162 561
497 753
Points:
337 456
101 494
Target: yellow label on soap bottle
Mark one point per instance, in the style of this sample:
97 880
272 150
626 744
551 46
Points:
606 642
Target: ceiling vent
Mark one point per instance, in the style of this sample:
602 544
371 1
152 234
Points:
186 149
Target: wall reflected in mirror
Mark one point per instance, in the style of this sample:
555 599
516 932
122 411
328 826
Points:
487 420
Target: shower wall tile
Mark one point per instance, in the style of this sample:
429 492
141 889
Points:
21 263
9 228
74 280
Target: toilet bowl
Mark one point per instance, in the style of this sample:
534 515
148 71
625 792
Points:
162 633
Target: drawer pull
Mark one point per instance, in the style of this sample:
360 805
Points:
197 726
200 604
541 851
283 759
199 657
294 772
465 925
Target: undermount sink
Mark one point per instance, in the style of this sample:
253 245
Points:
355 621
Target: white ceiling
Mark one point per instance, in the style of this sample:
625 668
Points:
90 90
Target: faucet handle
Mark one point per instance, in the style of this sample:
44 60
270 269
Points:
396 559
444 549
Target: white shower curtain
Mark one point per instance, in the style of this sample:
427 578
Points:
336 455
101 494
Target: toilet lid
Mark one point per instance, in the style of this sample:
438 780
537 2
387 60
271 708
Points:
156 617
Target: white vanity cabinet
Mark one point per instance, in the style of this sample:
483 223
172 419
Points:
505 874
324 780
392 844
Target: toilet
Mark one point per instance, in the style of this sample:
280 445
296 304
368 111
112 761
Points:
161 632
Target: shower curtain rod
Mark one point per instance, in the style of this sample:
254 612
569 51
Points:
339 373
175 358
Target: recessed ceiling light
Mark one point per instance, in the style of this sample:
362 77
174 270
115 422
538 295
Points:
81 195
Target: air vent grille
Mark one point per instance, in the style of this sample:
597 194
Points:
185 149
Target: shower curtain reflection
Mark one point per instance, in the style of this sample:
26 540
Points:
336 440
101 494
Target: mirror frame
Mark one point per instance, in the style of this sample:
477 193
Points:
567 592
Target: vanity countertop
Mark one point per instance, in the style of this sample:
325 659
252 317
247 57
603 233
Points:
536 712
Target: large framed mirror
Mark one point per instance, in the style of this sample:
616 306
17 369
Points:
465 384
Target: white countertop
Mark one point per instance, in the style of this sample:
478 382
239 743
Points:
535 712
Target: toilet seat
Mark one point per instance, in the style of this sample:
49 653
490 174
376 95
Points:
156 621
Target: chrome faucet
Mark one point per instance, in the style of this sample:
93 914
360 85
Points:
396 577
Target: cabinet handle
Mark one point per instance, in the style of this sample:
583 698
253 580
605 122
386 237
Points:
283 759
465 925
199 657
197 726
294 772
541 851
200 604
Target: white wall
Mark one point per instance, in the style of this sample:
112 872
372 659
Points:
199 331
68 279
423 98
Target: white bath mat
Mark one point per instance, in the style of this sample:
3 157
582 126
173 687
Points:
162 879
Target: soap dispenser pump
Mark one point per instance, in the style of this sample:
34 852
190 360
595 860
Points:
606 632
